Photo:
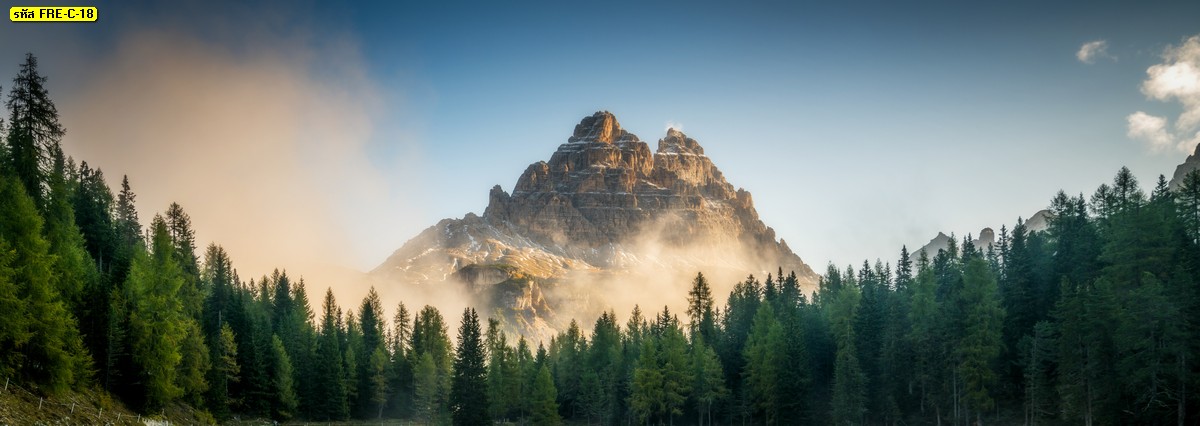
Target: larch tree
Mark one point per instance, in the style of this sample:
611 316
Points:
157 326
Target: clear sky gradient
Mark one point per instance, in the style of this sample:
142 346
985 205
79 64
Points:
858 126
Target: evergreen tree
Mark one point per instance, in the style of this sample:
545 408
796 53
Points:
372 374
981 343
157 326
15 332
401 368
74 269
1038 367
34 132
179 225
849 385
193 364
922 337
708 386
647 394
737 320
224 373
675 366
330 403
904 271
128 228
468 387
544 411
427 388
47 348
285 400
700 311
763 361
430 336
1188 197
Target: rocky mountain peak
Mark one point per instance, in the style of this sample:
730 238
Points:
600 127
602 206
678 143
1191 163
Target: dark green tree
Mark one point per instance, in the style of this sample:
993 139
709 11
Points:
34 132
849 382
330 403
708 385
544 411
981 342
764 352
468 386
702 317
285 400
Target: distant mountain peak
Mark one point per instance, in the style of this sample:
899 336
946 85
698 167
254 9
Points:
603 206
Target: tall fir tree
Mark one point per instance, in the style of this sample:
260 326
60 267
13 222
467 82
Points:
34 131
330 403
981 344
468 386
544 410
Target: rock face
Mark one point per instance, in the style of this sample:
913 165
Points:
1191 163
1040 221
602 204
986 238
1037 222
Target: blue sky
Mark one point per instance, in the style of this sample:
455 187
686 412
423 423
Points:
858 126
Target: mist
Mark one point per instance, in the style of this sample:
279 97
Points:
267 147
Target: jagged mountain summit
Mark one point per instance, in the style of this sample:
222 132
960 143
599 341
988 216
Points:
604 206
1038 222
1191 163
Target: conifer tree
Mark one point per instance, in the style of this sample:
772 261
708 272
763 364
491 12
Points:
708 386
330 403
401 367
675 366
544 410
764 350
1188 197
468 387
224 372
34 132
15 332
700 311
372 374
128 228
981 343
647 395
429 336
849 383
157 326
285 400
194 363
426 388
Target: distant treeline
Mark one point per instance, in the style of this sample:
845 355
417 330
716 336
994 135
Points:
1092 321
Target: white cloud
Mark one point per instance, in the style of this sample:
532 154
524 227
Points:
1092 50
671 124
1151 129
1177 78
